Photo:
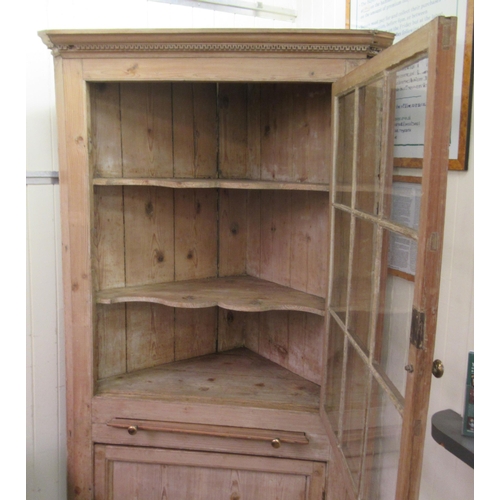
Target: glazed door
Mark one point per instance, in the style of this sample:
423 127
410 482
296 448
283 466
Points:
390 115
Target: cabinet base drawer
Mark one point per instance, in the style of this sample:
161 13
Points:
248 441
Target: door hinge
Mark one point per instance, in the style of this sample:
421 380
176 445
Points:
417 329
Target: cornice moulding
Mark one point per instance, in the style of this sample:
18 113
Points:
361 42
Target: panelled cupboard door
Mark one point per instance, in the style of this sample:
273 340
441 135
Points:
387 228
126 473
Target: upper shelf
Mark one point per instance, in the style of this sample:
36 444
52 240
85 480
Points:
209 183
237 293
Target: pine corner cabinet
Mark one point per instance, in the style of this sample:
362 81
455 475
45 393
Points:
234 328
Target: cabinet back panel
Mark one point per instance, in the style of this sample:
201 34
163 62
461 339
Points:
108 238
110 340
291 339
137 335
288 237
154 129
146 126
150 335
105 134
239 131
195 129
152 235
233 234
149 235
295 132
276 132
195 233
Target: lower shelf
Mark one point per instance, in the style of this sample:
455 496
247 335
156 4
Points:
237 377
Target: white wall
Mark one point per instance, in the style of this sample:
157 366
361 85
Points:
444 476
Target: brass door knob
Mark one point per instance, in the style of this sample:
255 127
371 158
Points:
437 368
276 443
132 430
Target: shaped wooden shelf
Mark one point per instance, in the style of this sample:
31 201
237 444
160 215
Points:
237 293
238 376
210 183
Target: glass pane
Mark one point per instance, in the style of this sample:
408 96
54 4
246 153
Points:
405 198
393 330
345 149
356 392
402 200
334 374
382 448
410 84
369 147
342 233
364 252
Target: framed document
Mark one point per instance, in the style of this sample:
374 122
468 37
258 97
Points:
402 17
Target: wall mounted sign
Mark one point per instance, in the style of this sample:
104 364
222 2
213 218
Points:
402 17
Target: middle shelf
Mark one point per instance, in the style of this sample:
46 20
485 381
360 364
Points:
238 293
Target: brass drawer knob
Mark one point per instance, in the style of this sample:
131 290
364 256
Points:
437 368
132 430
275 443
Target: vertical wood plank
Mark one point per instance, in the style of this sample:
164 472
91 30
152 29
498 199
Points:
183 129
232 329
311 131
252 330
195 332
272 485
109 272
105 124
195 130
316 482
232 232
150 335
275 236
273 336
233 131
108 234
75 207
195 482
124 480
253 258
110 336
309 239
131 481
149 235
101 479
205 130
66 270
195 233
239 131
254 112
305 342
146 113
149 250
277 134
